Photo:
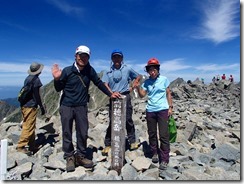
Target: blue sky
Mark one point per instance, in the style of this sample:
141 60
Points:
191 38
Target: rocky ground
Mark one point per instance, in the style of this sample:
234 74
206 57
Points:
207 145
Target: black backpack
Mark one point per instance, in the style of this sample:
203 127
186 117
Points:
25 92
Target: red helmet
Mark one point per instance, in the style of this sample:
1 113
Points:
153 61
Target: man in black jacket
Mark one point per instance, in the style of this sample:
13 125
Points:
74 82
29 111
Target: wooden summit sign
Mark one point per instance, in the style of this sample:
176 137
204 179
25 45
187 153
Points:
118 118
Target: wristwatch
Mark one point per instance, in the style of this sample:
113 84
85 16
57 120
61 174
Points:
171 106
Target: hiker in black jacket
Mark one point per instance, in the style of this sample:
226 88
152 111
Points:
74 82
29 109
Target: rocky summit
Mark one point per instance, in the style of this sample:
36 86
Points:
207 145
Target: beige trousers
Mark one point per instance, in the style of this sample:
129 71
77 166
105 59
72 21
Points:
27 137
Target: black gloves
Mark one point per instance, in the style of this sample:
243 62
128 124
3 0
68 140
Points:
43 110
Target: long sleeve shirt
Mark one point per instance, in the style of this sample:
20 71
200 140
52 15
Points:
75 90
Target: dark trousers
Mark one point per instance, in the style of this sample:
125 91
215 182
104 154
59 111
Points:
130 128
159 120
79 116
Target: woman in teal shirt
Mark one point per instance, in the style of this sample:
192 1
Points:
159 108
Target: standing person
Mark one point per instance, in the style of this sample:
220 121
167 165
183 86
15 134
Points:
218 78
74 81
231 79
223 77
202 79
29 111
117 79
159 108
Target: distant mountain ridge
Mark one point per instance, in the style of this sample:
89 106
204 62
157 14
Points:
6 109
11 112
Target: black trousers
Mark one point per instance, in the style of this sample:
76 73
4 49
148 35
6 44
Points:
157 124
130 128
79 116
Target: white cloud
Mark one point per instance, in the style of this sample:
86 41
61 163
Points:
100 64
165 66
14 25
220 22
22 67
13 74
174 65
14 67
65 7
217 67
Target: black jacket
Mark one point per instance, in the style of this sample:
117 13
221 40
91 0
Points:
75 92
35 98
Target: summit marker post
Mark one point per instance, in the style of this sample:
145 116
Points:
118 119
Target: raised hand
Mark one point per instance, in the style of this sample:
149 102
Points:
56 72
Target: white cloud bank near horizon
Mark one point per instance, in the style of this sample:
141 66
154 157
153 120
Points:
13 74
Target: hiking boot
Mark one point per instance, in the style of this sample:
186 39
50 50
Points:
23 150
155 158
106 150
70 164
134 146
163 166
82 161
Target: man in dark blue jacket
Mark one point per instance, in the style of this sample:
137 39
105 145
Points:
74 82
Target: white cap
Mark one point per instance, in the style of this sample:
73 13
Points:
83 49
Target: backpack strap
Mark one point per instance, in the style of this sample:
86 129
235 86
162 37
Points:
82 80
31 81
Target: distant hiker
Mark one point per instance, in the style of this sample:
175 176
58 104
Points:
117 79
231 79
189 82
213 79
159 108
74 81
223 77
202 79
218 78
29 111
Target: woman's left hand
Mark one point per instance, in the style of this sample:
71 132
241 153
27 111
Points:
170 111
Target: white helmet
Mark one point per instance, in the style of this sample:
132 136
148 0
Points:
83 49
